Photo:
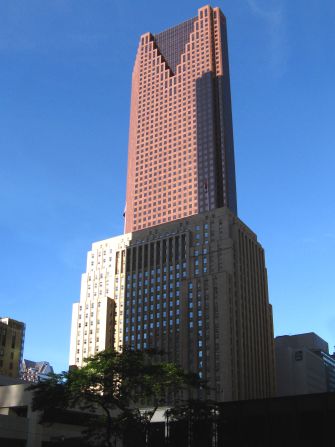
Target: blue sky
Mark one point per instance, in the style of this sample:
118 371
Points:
65 74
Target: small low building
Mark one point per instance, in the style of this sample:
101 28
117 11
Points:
303 365
20 427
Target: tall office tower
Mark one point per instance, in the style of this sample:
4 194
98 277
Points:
187 277
11 346
181 151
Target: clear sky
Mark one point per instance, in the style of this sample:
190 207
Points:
65 75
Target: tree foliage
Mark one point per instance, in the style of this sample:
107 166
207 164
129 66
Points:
110 388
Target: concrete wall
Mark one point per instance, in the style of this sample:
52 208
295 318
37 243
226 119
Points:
14 398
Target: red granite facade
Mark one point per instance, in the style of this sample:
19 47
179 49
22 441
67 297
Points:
181 154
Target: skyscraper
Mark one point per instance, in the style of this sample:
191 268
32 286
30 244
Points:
181 150
188 276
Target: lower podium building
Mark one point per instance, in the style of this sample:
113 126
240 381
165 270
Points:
195 288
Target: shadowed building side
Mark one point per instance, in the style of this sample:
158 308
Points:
197 289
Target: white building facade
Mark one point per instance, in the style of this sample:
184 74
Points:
97 322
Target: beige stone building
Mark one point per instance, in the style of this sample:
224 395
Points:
11 346
195 288
97 319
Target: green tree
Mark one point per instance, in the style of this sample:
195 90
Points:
111 387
